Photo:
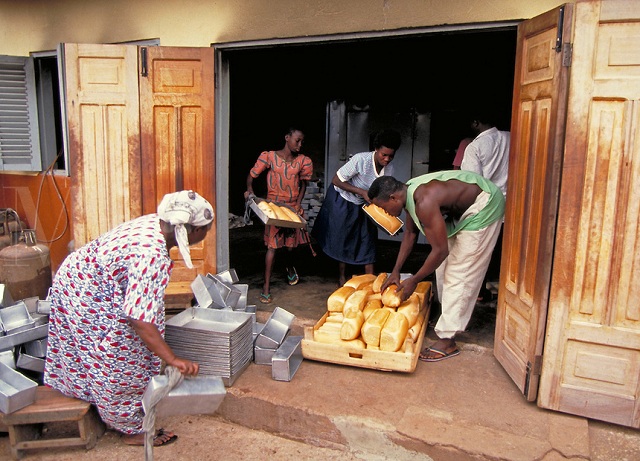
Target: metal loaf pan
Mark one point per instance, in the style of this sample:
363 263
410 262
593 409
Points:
193 396
200 288
9 341
275 329
37 348
16 390
29 362
43 306
224 294
228 276
263 356
16 318
287 359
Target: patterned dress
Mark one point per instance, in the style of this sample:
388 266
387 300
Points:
283 186
93 353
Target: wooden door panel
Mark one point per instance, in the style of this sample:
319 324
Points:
532 191
591 361
177 127
101 90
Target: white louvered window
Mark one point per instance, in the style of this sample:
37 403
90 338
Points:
19 134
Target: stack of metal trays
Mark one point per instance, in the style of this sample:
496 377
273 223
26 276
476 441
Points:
220 341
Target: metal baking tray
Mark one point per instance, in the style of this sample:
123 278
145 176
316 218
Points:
224 294
43 306
263 356
12 340
27 361
193 396
275 329
31 304
16 390
37 348
7 358
228 276
287 359
16 318
253 203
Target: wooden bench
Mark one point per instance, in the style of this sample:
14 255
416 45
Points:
50 406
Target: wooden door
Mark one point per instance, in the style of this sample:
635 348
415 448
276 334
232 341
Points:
591 363
101 88
177 137
537 136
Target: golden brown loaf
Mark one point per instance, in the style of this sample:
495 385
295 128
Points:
394 332
377 283
422 289
410 309
360 281
373 326
336 300
351 325
414 331
291 215
356 300
266 209
372 305
390 223
390 297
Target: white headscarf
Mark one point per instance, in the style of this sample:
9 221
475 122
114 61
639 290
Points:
185 207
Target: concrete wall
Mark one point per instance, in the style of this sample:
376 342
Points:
38 25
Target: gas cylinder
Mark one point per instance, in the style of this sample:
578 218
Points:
25 268
8 226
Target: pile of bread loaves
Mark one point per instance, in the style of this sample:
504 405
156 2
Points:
275 211
361 316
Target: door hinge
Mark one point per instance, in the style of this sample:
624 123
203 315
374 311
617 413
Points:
567 54
143 62
533 369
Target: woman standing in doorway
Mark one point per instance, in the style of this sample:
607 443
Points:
342 228
287 174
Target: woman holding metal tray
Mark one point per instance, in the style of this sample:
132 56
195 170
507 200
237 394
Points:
288 171
106 324
342 229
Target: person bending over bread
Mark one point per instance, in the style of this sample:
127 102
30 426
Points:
460 214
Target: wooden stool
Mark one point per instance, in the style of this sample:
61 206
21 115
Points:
51 406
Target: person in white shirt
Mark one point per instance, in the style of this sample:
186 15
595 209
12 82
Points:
342 229
488 156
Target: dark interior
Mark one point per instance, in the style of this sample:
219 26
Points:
441 73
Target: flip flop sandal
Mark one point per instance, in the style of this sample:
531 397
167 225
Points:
265 298
441 354
293 279
160 433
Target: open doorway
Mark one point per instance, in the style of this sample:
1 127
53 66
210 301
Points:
440 74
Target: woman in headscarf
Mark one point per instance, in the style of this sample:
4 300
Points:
106 327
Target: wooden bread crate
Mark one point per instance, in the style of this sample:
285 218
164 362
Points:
404 360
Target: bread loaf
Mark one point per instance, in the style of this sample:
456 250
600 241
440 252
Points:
373 326
389 223
266 209
291 215
360 281
390 297
336 300
410 309
423 290
335 317
377 283
394 332
351 325
372 305
280 213
356 301
334 338
414 331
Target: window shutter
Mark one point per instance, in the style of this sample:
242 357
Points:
19 136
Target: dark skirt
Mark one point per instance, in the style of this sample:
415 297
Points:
344 231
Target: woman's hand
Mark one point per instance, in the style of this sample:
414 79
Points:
186 367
